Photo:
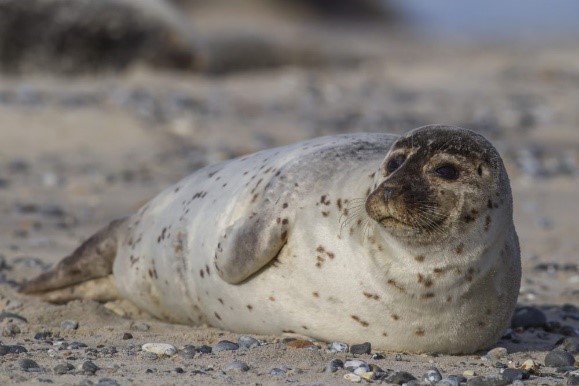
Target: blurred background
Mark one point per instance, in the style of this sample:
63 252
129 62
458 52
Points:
103 103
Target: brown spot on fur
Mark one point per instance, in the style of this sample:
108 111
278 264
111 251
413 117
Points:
271 298
283 235
395 317
339 204
384 334
254 197
468 218
316 294
249 307
393 283
459 249
362 322
324 200
304 327
220 300
201 273
288 331
325 213
419 332
448 299
285 221
207 271
285 205
428 295
371 296
419 258
481 324
490 204
217 315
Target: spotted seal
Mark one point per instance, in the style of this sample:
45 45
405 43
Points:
407 242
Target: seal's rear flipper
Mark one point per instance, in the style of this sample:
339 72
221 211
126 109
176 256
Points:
92 260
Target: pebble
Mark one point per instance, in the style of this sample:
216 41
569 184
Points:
497 353
558 358
63 368
10 330
299 343
188 351
569 344
247 341
354 364
512 375
377 356
531 366
432 376
139 326
469 373
362 348
353 378
107 382
29 365
334 365
448 382
528 317
338 347
89 367
225 345
127 335
43 335
236 366
204 349
400 377
487 381
573 380
277 371
69 324
160 348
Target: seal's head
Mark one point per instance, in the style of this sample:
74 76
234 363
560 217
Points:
440 182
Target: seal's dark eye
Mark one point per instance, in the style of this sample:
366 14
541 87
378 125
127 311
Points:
448 172
395 163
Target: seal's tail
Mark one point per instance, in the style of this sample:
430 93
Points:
83 274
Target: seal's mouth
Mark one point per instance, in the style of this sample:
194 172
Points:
391 221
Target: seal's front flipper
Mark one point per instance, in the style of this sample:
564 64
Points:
249 244
93 259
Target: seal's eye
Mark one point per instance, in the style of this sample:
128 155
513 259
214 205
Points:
446 171
395 163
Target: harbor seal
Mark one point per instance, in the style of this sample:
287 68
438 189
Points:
406 242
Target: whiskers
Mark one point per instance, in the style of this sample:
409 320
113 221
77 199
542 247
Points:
355 215
428 217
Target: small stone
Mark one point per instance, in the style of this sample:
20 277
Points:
236 366
204 349
352 378
398 357
127 336
179 370
4 350
487 381
334 365
69 324
448 382
368 375
299 343
63 368
107 382
432 376
188 351
354 364
29 365
569 344
377 356
573 380
531 366
338 347
528 317
88 367
139 326
247 341
43 335
400 377
515 374
225 345
277 371
497 353
469 373
362 348
558 358
160 349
